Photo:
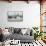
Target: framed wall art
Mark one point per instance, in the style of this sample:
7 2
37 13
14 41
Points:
15 16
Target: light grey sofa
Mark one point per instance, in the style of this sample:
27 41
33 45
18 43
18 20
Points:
17 35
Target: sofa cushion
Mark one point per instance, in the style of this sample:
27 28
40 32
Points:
11 30
28 31
17 30
20 37
23 31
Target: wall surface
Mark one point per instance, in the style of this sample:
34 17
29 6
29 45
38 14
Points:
31 13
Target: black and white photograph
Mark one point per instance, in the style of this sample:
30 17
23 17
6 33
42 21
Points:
15 16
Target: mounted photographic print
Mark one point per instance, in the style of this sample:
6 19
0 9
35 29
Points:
15 16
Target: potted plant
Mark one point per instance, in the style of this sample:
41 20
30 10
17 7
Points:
36 32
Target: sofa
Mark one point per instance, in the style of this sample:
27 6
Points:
22 34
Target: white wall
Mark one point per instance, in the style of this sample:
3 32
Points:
31 14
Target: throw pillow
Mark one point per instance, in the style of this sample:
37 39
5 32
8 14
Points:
23 31
11 30
17 30
28 31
